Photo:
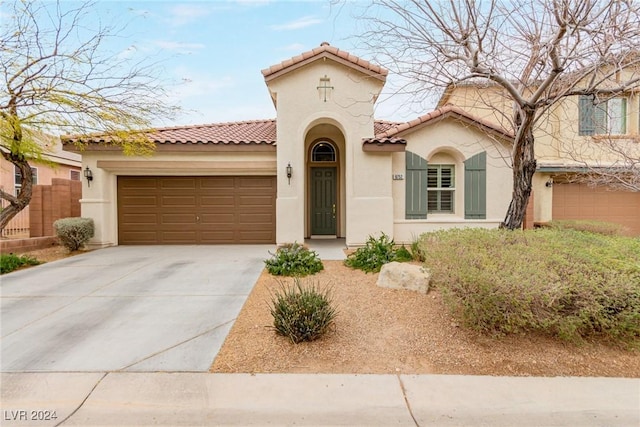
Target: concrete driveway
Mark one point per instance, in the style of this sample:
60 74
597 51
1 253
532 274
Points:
126 308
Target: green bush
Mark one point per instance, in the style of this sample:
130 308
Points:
560 282
294 260
73 233
302 312
11 262
375 253
599 227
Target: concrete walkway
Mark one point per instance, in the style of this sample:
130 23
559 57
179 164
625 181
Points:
196 399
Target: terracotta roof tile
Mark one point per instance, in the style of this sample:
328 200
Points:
325 49
246 132
448 110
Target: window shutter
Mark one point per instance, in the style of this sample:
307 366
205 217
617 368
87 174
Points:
416 187
601 118
475 187
586 115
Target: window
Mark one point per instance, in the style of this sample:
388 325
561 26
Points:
440 188
323 152
17 180
74 175
602 117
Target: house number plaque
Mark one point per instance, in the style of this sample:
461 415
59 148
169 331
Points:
398 177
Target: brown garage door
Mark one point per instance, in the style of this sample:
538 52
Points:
579 201
196 210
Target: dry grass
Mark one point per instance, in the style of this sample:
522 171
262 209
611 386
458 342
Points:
391 331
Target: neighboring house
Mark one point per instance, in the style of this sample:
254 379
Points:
575 140
56 163
323 168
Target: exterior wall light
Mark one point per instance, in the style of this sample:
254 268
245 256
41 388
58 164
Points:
549 183
89 175
289 172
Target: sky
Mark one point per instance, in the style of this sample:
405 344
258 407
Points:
213 51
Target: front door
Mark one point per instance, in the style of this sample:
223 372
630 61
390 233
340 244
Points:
323 201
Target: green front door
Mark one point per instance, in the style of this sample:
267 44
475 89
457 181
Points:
323 201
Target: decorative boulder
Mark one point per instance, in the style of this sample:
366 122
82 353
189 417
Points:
398 275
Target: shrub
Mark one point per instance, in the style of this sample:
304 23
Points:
73 233
599 227
375 253
294 260
561 282
302 312
11 262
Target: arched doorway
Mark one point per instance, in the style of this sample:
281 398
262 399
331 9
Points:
323 188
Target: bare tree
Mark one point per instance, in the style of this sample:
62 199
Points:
58 77
537 52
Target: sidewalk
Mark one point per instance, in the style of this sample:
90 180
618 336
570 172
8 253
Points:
181 399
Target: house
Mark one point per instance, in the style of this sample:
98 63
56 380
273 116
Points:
578 142
56 163
324 168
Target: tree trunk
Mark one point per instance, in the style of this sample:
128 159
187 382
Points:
16 204
524 166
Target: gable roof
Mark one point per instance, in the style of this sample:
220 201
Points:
394 134
325 51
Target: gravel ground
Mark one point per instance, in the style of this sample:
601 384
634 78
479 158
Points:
395 331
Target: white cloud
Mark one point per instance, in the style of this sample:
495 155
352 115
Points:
182 14
179 46
304 22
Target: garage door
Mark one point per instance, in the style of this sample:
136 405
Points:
196 210
579 201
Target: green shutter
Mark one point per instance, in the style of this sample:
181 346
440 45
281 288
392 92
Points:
600 118
586 115
475 187
416 187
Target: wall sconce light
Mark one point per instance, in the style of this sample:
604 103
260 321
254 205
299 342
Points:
549 183
89 175
289 172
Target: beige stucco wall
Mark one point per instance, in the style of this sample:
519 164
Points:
99 199
301 110
450 142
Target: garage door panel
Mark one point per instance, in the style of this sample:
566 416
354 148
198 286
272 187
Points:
178 218
217 201
188 210
218 182
175 183
142 237
186 201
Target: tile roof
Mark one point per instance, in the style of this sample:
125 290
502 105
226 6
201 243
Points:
246 132
324 50
392 134
261 132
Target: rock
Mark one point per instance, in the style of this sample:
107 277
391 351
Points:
396 275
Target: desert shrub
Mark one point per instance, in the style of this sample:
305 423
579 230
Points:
560 282
416 250
294 260
73 233
302 312
402 254
377 252
599 227
11 262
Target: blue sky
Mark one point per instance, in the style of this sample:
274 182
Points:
215 50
